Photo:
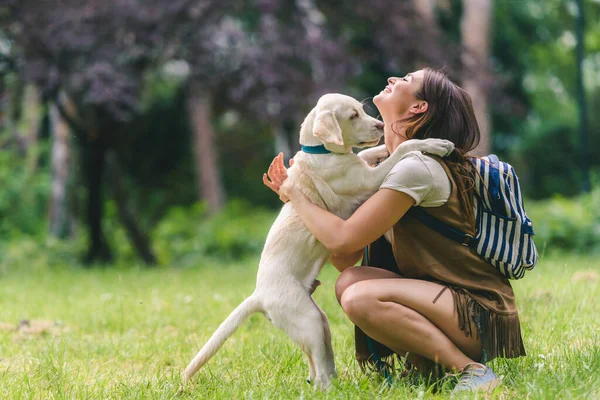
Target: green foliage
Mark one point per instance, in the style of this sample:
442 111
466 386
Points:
567 224
534 123
156 154
552 158
32 254
534 54
243 160
187 235
24 196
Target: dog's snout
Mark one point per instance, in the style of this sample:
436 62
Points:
379 125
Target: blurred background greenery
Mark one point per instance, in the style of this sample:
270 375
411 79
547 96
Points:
140 129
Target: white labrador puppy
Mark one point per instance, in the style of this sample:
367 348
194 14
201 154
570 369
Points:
292 257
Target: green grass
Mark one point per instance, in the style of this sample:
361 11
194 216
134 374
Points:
127 333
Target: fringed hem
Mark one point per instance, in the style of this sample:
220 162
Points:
383 365
500 335
373 356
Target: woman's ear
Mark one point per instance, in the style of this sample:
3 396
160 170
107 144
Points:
419 108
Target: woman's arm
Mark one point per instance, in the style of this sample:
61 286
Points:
343 261
343 237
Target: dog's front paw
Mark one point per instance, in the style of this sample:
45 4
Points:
374 155
285 189
437 147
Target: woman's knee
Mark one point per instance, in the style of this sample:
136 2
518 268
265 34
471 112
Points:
357 302
347 278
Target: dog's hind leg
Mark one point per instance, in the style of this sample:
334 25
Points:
311 367
328 345
303 323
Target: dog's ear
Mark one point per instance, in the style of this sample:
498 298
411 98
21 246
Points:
327 128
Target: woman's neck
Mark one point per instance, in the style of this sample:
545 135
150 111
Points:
394 137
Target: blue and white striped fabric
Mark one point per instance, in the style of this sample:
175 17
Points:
504 234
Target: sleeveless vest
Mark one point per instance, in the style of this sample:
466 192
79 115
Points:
484 299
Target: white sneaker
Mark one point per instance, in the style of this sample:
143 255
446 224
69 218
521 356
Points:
476 376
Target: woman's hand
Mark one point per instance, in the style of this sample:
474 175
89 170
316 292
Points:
276 175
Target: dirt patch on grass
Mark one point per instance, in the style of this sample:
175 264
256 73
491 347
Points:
542 295
33 327
590 276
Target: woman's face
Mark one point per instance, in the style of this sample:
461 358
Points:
396 99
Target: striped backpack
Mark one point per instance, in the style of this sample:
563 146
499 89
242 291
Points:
504 233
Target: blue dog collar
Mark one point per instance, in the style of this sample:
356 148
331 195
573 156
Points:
315 149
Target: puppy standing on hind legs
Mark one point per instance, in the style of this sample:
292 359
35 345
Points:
334 178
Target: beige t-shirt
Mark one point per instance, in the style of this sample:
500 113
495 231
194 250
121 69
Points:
422 178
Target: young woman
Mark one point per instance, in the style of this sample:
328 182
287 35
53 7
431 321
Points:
439 301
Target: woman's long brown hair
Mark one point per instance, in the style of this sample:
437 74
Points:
449 116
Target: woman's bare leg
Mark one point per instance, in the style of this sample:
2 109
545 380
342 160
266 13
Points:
356 274
352 275
400 313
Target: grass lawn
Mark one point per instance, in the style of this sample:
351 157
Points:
126 333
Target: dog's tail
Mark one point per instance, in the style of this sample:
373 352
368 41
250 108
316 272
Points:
227 328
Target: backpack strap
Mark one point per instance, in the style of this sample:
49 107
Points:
442 228
494 184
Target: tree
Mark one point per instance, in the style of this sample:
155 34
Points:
266 62
97 53
100 61
533 56
209 182
475 38
61 159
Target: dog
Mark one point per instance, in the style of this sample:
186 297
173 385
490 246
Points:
292 257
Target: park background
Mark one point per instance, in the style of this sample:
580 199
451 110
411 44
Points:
133 138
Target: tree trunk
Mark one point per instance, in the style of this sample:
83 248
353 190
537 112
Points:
475 37
430 52
32 117
425 9
209 181
581 101
60 160
24 122
282 141
4 107
95 164
138 238
16 93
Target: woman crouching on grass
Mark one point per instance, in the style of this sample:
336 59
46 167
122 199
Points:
422 295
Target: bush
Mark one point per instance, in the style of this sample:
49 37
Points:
567 224
186 235
550 171
24 196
